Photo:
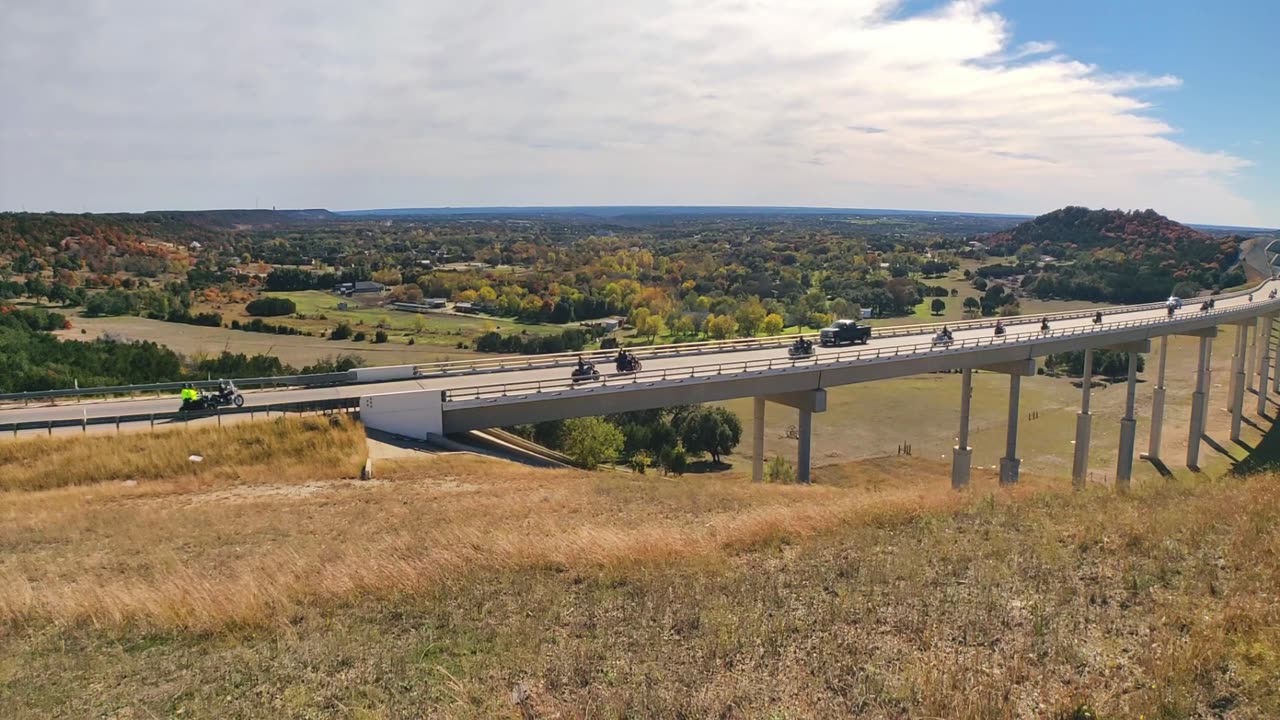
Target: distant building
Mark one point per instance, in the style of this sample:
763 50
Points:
359 288
466 307
435 303
608 324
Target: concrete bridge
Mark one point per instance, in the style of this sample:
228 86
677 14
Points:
421 401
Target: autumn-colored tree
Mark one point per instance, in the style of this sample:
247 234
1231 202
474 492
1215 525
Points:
772 324
749 316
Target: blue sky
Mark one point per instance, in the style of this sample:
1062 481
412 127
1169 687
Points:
1018 106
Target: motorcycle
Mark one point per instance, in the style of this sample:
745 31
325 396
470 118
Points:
627 363
1097 319
999 329
800 348
943 338
1204 307
584 372
223 397
1044 326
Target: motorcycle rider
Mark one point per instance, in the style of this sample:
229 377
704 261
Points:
999 328
1044 324
189 393
1097 318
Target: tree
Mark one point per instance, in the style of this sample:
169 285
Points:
685 326
720 327
972 306
271 307
714 431
380 336
652 327
778 470
591 441
674 460
342 332
772 324
750 315
419 323
938 306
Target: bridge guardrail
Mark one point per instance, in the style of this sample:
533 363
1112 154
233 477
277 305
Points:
496 391
315 380
454 367
506 363
313 406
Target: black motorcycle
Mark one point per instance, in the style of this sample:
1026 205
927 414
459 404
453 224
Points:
627 363
1044 326
800 348
211 401
584 372
999 329
1097 318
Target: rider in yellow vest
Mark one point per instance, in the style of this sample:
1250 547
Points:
189 393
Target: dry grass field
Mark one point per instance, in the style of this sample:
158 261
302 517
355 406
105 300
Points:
274 584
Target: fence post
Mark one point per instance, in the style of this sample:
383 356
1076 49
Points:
51 428
218 412
153 422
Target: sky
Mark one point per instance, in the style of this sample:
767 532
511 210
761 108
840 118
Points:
1013 106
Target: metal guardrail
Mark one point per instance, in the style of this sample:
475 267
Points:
315 380
507 363
314 406
462 367
497 391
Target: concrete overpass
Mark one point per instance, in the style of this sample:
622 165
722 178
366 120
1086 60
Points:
457 397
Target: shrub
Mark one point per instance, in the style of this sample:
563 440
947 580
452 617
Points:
380 336
271 307
779 470
342 332
591 441
359 337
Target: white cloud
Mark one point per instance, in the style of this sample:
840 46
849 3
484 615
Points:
420 102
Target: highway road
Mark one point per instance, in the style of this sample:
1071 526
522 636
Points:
1017 328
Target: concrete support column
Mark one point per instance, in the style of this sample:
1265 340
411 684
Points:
1128 429
1264 364
1157 404
1237 365
803 447
1196 430
1251 359
962 454
1275 369
1238 381
1084 426
1009 463
757 440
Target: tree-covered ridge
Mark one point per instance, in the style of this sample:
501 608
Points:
1116 256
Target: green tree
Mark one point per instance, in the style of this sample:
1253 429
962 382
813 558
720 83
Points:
651 327
591 441
674 460
971 306
714 431
938 306
772 324
685 326
750 316
720 327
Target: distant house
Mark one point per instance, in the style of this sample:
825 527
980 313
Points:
435 303
359 288
466 307
608 324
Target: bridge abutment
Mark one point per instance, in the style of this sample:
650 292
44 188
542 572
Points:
1198 401
1010 463
757 440
1238 380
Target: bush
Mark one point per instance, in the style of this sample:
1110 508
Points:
640 462
359 337
779 470
271 307
380 336
674 460
342 332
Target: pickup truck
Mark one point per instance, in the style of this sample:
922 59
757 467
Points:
845 331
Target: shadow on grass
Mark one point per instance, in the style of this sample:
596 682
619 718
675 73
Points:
702 467
1264 457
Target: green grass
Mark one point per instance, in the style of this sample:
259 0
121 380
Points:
363 314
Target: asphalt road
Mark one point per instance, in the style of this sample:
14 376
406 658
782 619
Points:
1019 326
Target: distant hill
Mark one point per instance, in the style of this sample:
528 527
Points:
242 218
1117 256
616 211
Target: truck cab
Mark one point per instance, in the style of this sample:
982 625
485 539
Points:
842 332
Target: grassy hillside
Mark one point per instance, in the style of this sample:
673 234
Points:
445 585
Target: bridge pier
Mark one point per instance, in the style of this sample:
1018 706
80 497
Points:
1084 426
1128 429
757 440
1010 463
807 403
1251 358
1157 405
1238 381
962 454
1196 430
1264 364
